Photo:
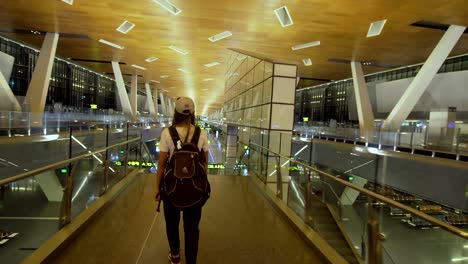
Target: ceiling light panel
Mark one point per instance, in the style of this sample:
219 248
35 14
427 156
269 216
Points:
111 44
376 28
155 81
70 2
151 59
165 76
125 27
138 67
306 45
169 7
178 50
184 71
208 79
212 64
283 16
307 62
220 36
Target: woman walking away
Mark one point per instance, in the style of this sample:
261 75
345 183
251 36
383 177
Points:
181 180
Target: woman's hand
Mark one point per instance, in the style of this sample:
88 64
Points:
157 196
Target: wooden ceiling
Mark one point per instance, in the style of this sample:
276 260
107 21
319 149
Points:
340 25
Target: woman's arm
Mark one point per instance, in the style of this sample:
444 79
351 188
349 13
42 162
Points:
160 173
206 162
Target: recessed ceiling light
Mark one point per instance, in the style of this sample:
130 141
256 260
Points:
70 2
125 27
184 71
306 45
208 79
283 16
220 36
179 50
172 87
165 76
169 7
211 64
155 81
375 28
307 61
151 59
111 44
138 67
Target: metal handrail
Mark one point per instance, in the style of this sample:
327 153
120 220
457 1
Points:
454 230
64 162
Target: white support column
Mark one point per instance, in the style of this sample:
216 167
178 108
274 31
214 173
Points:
163 104
133 97
50 185
364 107
122 92
39 84
422 80
149 99
155 101
8 100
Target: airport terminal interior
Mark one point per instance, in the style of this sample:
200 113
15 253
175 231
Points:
337 130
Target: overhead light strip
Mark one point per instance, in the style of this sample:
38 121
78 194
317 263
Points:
169 7
70 2
307 62
125 27
208 79
212 64
283 16
165 76
220 36
306 45
155 81
178 50
376 28
111 44
151 59
138 67
184 71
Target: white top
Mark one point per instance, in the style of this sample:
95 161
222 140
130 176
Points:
166 144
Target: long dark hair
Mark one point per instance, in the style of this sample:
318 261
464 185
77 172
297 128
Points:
181 119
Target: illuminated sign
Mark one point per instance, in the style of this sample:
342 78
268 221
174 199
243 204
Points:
122 151
136 163
305 119
216 166
93 106
350 178
64 171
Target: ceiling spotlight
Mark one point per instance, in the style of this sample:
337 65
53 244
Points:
306 45
376 28
211 64
151 59
220 36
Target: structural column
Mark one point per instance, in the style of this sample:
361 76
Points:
133 97
39 84
149 99
163 104
364 107
122 92
8 100
422 80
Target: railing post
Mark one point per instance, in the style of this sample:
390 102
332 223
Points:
105 176
374 237
65 215
9 124
126 154
279 179
29 123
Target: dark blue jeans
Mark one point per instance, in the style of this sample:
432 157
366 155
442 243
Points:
192 233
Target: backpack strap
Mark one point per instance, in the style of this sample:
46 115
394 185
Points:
174 135
196 136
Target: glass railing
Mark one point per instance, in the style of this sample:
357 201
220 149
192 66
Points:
24 123
364 220
444 141
53 180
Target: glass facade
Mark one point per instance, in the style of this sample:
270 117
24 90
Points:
322 103
70 85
